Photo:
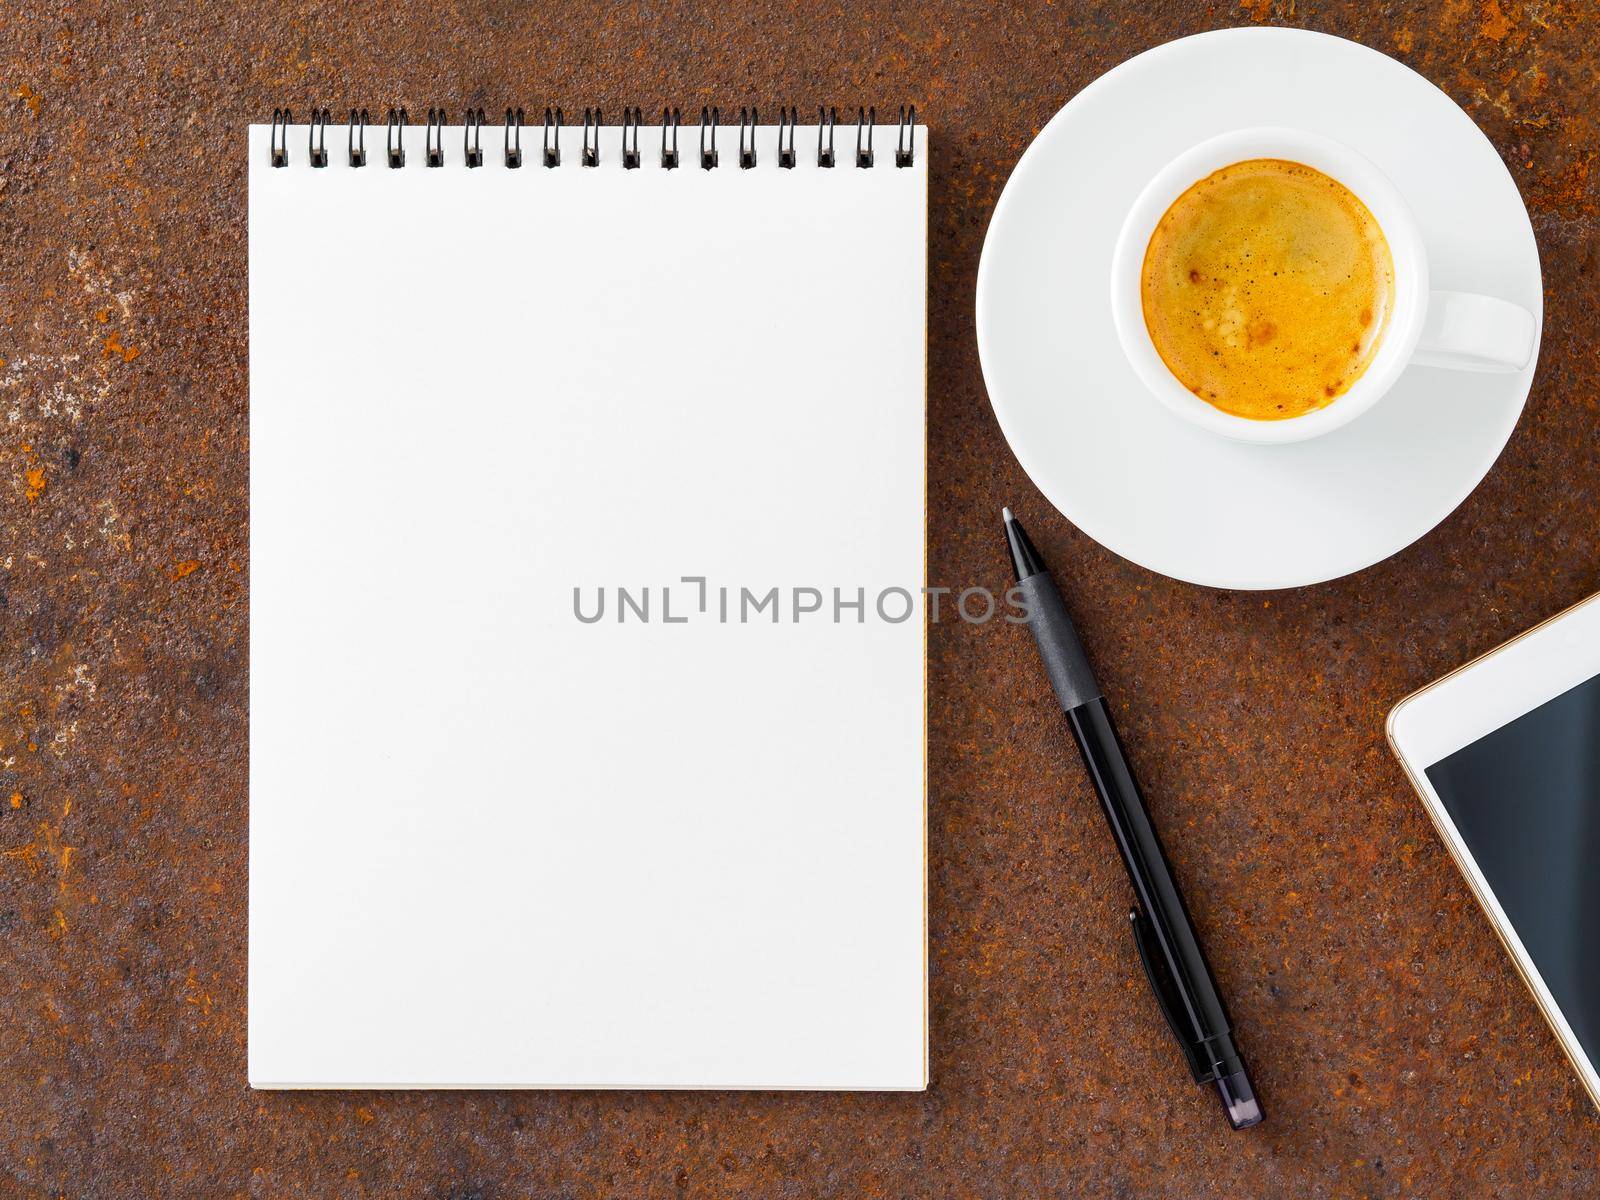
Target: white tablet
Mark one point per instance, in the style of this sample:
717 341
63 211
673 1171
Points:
1505 753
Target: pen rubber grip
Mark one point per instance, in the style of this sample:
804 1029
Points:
1064 659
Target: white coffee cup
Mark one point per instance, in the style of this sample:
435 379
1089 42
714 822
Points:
1438 329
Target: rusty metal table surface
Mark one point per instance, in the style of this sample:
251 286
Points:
1392 1041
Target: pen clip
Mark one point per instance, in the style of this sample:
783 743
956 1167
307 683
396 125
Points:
1155 969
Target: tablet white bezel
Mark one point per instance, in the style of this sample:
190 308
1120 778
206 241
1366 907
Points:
1473 701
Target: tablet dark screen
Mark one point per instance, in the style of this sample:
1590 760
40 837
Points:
1526 799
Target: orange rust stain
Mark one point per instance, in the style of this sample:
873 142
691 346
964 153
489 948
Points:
16 799
1495 24
187 567
1258 10
46 844
29 97
1570 189
103 316
33 476
363 1114
114 346
196 994
1404 40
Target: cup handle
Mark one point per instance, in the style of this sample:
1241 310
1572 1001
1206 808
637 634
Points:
1475 333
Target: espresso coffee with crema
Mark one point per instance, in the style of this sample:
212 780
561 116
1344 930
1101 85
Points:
1266 288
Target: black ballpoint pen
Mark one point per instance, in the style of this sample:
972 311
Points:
1168 947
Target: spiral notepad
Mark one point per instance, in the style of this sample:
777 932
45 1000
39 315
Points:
587 532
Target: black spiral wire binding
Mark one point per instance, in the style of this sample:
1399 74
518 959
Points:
632 118
868 118
671 118
905 148
357 141
513 138
827 118
281 121
905 139
708 117
433 140
552 152
747 126
395 139
317 138
787 118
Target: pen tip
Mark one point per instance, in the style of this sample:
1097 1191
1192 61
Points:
1024 558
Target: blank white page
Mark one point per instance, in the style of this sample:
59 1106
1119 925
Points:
492 844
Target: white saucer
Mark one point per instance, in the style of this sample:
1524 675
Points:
1177 499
